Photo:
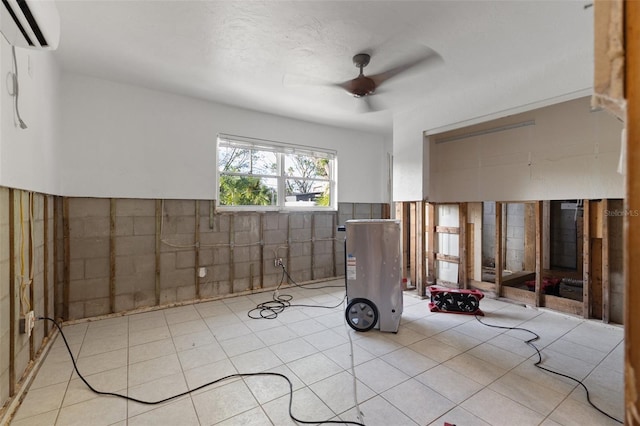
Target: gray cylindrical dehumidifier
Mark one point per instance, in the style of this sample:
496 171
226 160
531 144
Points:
373 256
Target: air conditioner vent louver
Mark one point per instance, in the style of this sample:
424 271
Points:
31 23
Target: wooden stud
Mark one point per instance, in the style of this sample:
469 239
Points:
606 286
262 221
431 243
546 235
289 242
412 243
586 256
498 249
462 245
401 216
419 254
386 211
159 214
56 215
196 238
539 258
530 239
232 272
313 244
67 258
631 227
112 255
334 231
447 230
31 274
448 258
45 262
12 295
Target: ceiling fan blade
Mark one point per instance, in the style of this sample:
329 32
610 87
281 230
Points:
432 56
368 104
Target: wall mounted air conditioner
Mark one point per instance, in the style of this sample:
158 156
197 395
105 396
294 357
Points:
30 23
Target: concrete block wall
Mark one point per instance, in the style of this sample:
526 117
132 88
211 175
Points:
514 247
488 233
125 254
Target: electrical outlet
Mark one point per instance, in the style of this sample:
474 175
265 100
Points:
30 322
27 323
277 262
202 272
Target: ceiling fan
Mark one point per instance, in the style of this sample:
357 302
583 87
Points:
365 86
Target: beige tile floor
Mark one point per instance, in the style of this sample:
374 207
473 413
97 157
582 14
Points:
438 368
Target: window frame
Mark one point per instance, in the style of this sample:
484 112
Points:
281 149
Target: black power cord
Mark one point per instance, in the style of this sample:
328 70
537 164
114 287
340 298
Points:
230 376
537 363
272 308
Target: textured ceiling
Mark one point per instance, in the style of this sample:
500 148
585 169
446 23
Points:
272 55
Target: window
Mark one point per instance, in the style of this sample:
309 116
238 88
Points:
272 175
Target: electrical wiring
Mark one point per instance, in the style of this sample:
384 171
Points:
272 308
537 363
221 379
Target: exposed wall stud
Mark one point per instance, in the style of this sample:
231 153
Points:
606 286
158 214
586 255
112 255
67 258
196 238
419 256
462 245
539 240
12 295
45 262
498 249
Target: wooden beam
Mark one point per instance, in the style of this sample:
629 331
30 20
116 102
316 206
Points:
56 254
31 217
313 245
462 245
196 239
448 258
159 214
419 256
45 262
631 228
586 255
12 294
447 230
412 242
431 242
606 286
67 258
498 249
530 232
112 255
539 258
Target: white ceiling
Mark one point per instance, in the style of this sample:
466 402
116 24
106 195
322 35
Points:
255 54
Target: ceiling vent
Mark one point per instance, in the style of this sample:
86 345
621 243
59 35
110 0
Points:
30 23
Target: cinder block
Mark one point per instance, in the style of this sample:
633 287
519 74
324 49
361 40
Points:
96 268
97 227
247 237
276 236
185 293
168 295
144 299
300 249
167 262
221 256
76 227
214 238
185 259
300 234
144 263
221 223
144 225
88 207
271 221
376 211
177 278
206 257
76 269
186 225
76 310
220 272
362 211
179 207
124 302
124 266
135 207
299 220
88 248
136 245
88 289
96 307
241 284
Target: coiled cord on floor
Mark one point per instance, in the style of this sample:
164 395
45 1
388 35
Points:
230 376
537 363
272 308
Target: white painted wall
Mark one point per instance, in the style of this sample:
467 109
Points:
28 158
568 78
126 141
570 152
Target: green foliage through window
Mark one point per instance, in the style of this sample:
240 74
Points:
274 175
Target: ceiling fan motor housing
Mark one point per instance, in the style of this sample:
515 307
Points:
361 86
